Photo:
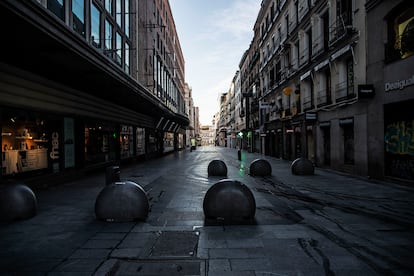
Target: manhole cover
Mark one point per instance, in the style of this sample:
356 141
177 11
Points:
175 244
154 267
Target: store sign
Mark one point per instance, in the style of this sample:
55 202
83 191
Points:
54 154
310 116
346 121
366 91
399 84
325 124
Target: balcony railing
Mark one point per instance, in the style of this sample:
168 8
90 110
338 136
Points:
339 29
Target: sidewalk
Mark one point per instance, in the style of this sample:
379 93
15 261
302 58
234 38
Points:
328 223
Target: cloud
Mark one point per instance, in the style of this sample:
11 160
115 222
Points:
237 20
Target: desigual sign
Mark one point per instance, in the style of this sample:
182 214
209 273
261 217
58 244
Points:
399 84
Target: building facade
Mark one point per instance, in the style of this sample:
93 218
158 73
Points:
390 71
332 81
80 89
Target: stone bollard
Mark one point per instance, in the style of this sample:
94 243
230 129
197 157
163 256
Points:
217 168
229 200
121 202
112 174
260 167
17 201
302 166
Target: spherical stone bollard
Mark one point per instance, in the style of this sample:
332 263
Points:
121 202
260 167
229 200
217 168
302 166
17 202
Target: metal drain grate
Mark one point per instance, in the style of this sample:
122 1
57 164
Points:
170 268
173 244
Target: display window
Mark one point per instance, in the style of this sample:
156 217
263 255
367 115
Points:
168 141
140 134
400 32
30 142
100 143
126 138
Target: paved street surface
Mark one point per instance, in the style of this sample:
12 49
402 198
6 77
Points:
325 224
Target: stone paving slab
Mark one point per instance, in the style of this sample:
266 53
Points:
328 223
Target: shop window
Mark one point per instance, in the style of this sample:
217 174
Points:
57 7
400 33
100 143
140 138
127 141
29 141
168 141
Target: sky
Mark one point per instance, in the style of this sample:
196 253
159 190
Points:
213 35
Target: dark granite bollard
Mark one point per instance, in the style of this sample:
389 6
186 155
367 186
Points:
17 201
302 166
229 200
217 168
122 201
260 167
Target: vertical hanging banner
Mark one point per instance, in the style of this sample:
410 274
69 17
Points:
69 140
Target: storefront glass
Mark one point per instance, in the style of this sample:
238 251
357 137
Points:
127 141
100 143
30 142
398 140
168 141
140 134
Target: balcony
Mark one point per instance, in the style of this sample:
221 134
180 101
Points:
339 30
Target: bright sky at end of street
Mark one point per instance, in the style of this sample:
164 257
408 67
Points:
213 35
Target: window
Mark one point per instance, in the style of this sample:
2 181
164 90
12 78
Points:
118 13
118 50
127 18
108 38
95 26
57 7
127 58
344 11
108 6
350 76
78 17
400 33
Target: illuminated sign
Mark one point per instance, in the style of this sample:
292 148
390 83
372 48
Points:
399 84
